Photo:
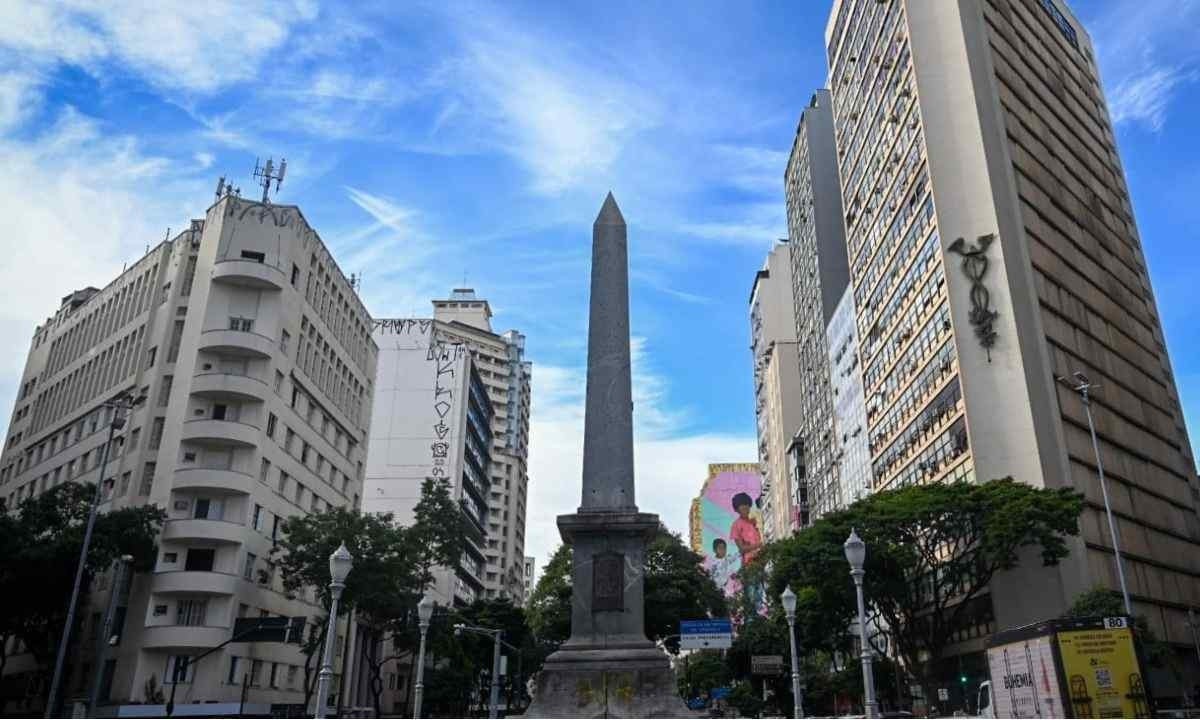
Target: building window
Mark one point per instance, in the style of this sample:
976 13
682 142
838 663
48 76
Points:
170 558
265 472
156 433
271 420
147 478
179 670
256 673
248 568
295 274
256 520
241 324
191 612
285 339
274 682
232 677
278 381
150 355
254 255
200 559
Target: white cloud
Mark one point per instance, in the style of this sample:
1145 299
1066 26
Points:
554 112
76 206
18 97
196 46
1144 98
204 159
1144 59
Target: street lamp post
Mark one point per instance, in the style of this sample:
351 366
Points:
789 609
1082 385
340 563
118 405
497 637
105 633
424 614
856 555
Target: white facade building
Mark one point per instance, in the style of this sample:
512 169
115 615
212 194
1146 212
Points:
256 358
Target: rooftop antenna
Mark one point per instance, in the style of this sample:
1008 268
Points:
356 281
266 173
220 190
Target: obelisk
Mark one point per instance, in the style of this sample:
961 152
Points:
608 668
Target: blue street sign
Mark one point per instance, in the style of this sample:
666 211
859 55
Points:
719 693
705 634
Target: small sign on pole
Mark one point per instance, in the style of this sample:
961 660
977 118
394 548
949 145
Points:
943 694
766 664
705 634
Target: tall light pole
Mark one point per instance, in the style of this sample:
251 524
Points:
1082 385
789 609
119 406
497 637
424 614
856 555
105 634
340 563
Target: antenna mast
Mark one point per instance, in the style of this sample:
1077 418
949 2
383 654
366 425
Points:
266 173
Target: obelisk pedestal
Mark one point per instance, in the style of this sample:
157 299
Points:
608 668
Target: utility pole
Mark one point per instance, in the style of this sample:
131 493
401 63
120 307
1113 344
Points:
119 405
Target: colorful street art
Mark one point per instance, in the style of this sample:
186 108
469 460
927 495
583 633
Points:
726 521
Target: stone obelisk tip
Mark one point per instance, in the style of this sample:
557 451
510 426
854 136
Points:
610 214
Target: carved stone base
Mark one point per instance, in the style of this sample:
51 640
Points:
627 683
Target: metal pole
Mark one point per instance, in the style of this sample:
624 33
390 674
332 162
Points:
1195 637
106 631
326 675
870 706
420 688
494 709
60 660
797 692
1112 528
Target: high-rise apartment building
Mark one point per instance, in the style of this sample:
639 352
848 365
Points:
993 249
432 419
851 461
819 276
777 391
464 321
256 359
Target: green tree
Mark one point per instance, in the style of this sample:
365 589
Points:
702 671
39 551
676 588
549 605
932 551
393 566
1104 602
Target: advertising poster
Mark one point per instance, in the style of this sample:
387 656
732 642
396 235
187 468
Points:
1024 680
726 521
1103 676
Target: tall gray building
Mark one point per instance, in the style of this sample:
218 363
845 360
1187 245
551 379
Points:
777 390
993 249
255 355
819 276
851 462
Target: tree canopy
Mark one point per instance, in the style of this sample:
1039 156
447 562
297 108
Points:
39 550
932 551
393 565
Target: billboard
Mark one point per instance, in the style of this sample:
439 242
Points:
726 521
1103 676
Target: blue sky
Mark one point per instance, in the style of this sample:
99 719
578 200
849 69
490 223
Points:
428 143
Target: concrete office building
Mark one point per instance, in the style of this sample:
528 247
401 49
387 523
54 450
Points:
819 276
992 249
432 419
255 356
530 574
777 390
464 321
851 461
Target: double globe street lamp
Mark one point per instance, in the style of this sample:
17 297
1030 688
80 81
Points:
340 563
856 555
